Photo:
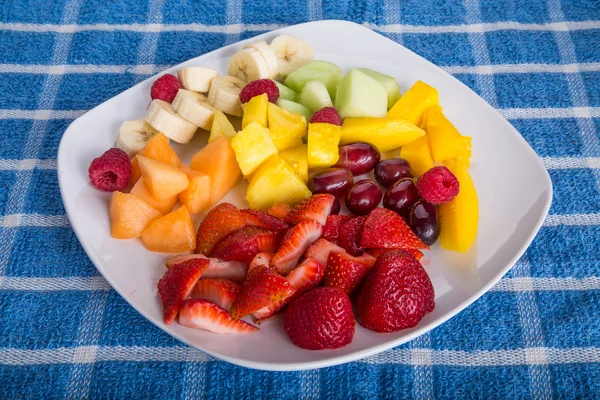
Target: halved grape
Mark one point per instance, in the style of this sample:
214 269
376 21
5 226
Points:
401 197
358 158
334 181
364 196
423 222
389 171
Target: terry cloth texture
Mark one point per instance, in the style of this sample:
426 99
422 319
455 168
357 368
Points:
64 333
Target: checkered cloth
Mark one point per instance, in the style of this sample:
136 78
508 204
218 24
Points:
64 333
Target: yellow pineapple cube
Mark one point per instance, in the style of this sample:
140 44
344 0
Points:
252 146
275 182
256 111
221 127
286 128
323 141
297 158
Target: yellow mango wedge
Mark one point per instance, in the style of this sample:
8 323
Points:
297 158
285 127
252 146
445 140
418 154
256 111
221 127
414 102
323 141
459 218
384 133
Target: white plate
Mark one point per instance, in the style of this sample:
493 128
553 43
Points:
514 196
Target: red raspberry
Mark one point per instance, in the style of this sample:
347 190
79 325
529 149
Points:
165 88
327 115
320 319
259 87
438 186
111 171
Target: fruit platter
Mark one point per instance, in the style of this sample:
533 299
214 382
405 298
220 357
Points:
294 201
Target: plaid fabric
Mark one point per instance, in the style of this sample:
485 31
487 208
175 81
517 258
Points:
64 333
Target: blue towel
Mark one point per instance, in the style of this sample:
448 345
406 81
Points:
64 333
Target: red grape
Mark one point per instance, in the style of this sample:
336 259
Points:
423 222
401 196
335 207
364 196
358 158
334 181
389 171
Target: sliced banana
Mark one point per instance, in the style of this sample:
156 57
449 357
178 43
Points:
269 55
292 53
194 107
133 136
162 118
197 79
248 65
224 94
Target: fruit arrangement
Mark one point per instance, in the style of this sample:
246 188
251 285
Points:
314 144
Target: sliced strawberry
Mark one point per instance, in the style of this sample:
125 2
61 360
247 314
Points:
347 272
315 208
244 244
280 210
202 314
270 316
177 284
264 220
263 288
384 229
350 234
231 270
306 275
222 292
260 259
320 250
218 223
331 230
294 243
377 252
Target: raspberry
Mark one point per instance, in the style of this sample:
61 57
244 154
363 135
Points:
259 87
327 115
111 171
165 88
438 186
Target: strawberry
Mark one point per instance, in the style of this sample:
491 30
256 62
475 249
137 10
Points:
231 270
260 259
396 294
377 252
177 284
331 230
347 272
198 313
218 223
244 244
315 208
295 241
264 220
222 292
384 229
350 234
263 288
280 210
306 275
320 250
320 319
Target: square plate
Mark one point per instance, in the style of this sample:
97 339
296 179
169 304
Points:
513 186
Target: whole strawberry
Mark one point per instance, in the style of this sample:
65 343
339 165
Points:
320 319
396 294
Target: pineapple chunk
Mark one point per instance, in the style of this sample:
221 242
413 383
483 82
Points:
275 182
252 146
414 102
298 160
323 141
256 110
221 127
286 128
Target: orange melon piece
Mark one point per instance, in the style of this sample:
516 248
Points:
162 180
130 215
157 149
217 160
197 195
173 233
141 190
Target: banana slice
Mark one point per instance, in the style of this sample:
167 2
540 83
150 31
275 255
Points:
161 117
248 65
133 136
197 79
291 52
224 94
194 107
268 54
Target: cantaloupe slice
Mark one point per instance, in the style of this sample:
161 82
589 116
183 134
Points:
141 190
197 195
157 149
173 233
130 215
162 180
217 159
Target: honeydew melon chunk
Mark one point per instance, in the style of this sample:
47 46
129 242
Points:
389 82
294 107
359 95
326 72
285 92
315 96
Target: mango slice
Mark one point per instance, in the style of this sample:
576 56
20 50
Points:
418 154
414 102
445 140
384 133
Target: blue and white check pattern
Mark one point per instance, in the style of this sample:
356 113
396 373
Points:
64 333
